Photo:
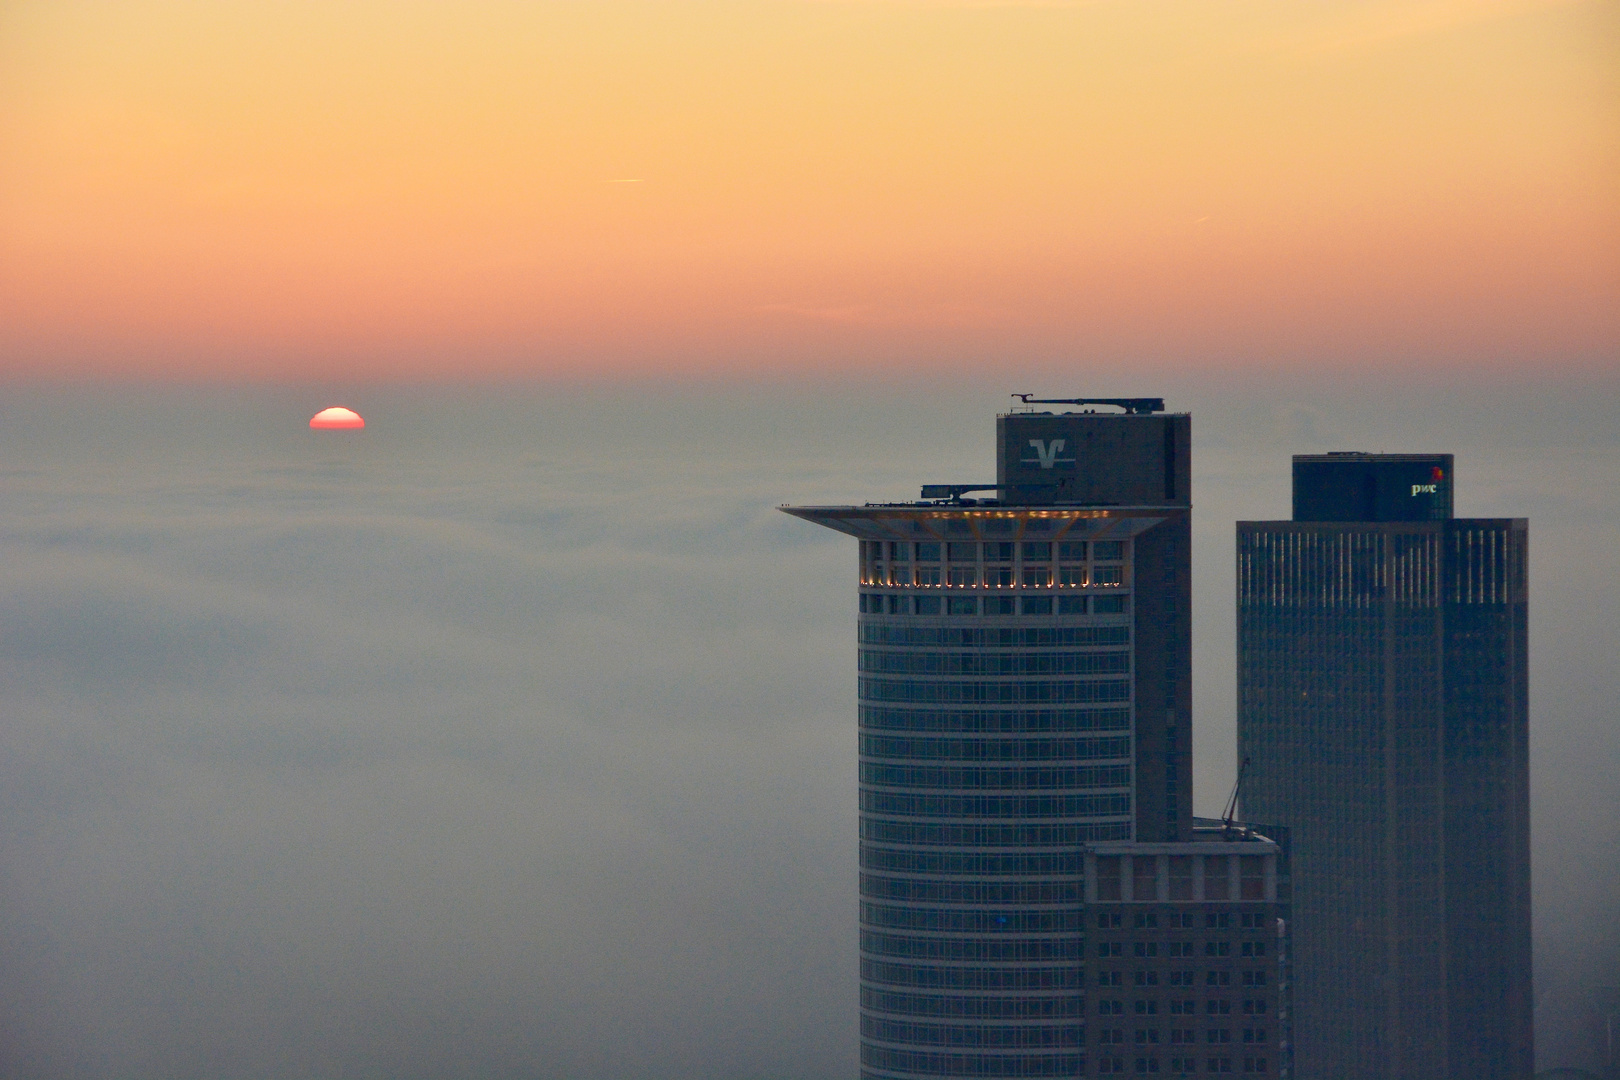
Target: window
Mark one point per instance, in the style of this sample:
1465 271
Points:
1147 1065
1107 575
1217 1008
1145 871
1254 1007
1183 1008
1217 948
1108 920
1183 1065
998 552
1147 1008
1252 879
1217 978
1147 978
1146 920
1072 549
1036 605
998 605
1071 576
1254 921
1110 978
1218 1035
1109 605
899 551
1146 1036
1181 978
1218 921
927 605
1146 948
1072 605
1108 877
1037 577
1254 978
927 551
962 552
1219 1065
1183 1037
1254 1065
962 605
1000 577
1110 1008
1108 549
1180 920
962 576
1181 873
927 575
1254 948
1110 1065
1111 948
1181 948
1037 551
1254 1035
1216 884
1111 1036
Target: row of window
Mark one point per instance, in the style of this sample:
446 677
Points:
1183 920
908 804
934 749
998 577
1174 949
929 976
955 834
913 662
997 1037
967 920
1177 978
898 604
993 637
977 1008
1180 1066
932 692
993 551
1008 721
1004 950
988 863
1179 1036
987 777
878 887
948 1063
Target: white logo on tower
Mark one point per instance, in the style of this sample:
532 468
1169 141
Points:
1046 453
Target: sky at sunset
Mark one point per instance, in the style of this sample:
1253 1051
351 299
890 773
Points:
391 189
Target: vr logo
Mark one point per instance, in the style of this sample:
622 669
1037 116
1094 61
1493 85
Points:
1424 489
1046 453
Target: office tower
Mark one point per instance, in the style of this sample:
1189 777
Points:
1381 706
1024 696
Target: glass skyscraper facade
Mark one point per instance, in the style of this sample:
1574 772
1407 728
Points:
1024 701
1382 673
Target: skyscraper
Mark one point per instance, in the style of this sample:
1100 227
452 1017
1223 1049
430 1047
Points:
1382 669
1024 688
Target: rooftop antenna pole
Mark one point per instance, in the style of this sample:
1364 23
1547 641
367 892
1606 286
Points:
1231 804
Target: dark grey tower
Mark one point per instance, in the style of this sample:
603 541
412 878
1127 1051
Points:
1382 673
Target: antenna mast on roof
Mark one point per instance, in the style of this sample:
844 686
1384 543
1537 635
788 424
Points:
1231 804
1134 406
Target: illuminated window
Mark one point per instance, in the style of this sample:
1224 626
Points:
1108 575
927 575
962 576
1071 576
1038 577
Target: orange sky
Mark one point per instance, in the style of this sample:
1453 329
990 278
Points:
304 188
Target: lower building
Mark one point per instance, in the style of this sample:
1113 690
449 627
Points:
1187 963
